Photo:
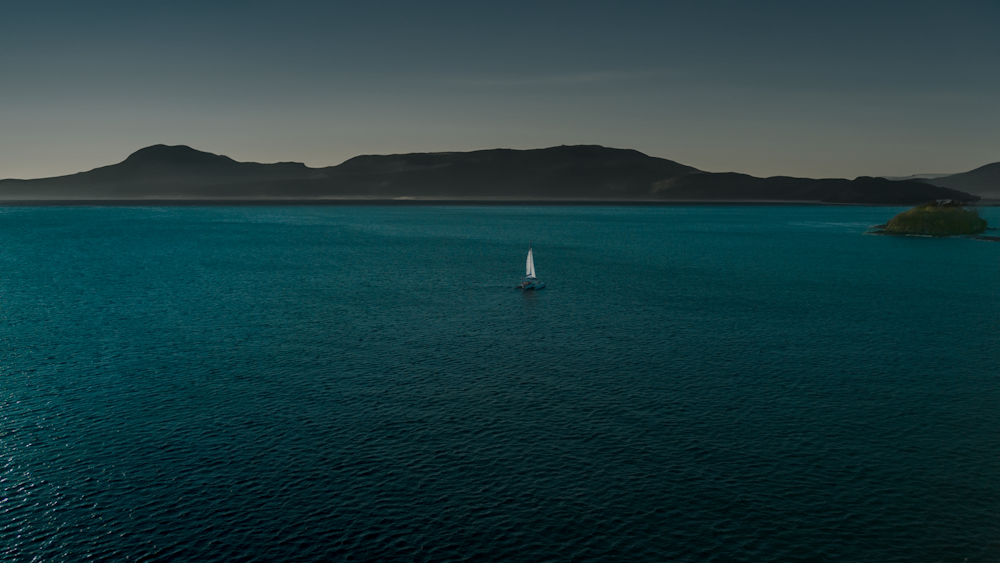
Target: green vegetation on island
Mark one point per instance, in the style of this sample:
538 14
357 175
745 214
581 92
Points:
939 218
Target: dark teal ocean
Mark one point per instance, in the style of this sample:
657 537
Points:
352 383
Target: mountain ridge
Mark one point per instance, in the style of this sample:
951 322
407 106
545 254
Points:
983 181
565 172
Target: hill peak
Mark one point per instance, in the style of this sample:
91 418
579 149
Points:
983 181
175 154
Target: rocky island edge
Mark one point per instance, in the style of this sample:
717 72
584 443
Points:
940 218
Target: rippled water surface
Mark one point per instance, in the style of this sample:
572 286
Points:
363 383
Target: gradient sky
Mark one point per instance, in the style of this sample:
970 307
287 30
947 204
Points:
822 89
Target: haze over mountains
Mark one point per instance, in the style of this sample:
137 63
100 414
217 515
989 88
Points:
983 181
585 172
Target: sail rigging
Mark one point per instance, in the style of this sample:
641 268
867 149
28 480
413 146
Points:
530 266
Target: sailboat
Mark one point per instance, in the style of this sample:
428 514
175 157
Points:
529 281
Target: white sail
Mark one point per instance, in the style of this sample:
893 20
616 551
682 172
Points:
530 266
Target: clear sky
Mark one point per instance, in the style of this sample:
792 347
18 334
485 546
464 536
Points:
822 89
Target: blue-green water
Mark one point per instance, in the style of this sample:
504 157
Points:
363 383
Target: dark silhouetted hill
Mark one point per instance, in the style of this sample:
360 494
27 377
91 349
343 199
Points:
983 181
567 172
591 172
159 170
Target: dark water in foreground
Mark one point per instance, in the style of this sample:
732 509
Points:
362 383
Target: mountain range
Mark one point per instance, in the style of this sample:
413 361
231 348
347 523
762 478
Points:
983 181
583 172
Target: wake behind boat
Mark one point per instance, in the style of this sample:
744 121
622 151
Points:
529 281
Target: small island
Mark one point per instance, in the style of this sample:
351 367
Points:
939 218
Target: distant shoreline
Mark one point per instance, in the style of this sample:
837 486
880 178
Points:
426 202
563 175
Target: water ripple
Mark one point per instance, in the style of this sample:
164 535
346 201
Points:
362 384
